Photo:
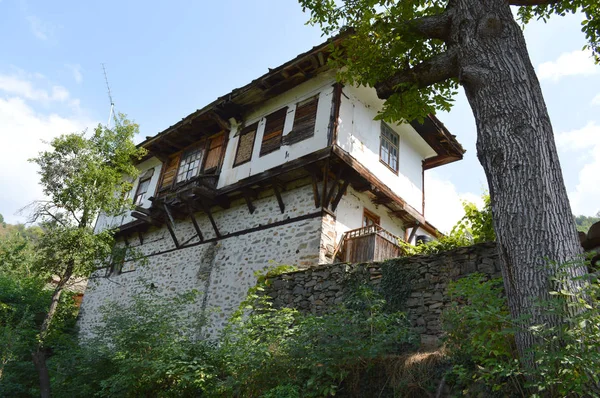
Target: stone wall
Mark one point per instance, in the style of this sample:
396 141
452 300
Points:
223 270
319 289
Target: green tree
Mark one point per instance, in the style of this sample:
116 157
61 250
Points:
417 54
81 177
584 222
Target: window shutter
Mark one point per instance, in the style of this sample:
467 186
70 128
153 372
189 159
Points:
169 171
273 130
304 121
213 157
245 145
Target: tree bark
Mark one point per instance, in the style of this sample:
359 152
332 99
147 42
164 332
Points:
515 145
39 361
39 356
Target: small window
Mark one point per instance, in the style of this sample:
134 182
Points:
190 165
304 121
214 152
273 130
142 188
388 147
370 219
245 146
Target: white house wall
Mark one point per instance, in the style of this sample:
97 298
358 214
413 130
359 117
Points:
358 134
105 222
349 214
321 85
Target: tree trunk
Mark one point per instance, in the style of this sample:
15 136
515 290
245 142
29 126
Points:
39 361
515 145
39 356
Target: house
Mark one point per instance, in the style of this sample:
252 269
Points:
292 169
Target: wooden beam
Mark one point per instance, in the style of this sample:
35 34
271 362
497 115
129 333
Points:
145 218
335 185
248 200
140 237
279 198
315 184
224 124
340 194
325 178
172 232
413 232
206 209
195 224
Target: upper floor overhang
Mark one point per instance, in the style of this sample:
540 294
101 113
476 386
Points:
217 116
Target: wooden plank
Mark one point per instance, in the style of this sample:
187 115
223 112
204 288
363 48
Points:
279 198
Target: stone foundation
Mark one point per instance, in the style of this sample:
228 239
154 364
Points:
320 289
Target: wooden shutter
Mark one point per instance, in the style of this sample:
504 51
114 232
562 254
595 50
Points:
273 130
213 156
304 121
169 172
245 145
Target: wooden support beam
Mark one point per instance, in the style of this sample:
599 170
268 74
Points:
325 178
206 209
145 218
335 185
195 224
171 224
413 232
141 237
247 197
143 210
279 198
173 236
315 184
340 194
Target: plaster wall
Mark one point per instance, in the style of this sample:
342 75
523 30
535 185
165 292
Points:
222 270
359 133
321 85
104 222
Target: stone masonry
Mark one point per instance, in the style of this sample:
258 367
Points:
223 270
319 289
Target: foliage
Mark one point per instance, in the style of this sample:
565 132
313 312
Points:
584 222
480 340
23 302
479 337
385 38
148 349
476 226
396 283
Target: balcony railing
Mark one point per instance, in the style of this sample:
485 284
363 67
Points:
372 243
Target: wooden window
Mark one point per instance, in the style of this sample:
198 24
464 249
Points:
304 121
388 147
169 172
214 153
273 130
370 218
245 146
190 164
142 189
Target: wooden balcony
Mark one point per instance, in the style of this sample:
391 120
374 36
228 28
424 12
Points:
367 244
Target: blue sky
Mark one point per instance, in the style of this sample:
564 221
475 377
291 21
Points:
168 59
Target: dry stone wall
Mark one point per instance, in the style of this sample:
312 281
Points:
320 289
222 271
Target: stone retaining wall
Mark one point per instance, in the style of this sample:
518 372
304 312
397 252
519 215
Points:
319 289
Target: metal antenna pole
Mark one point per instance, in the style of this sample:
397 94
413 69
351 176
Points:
112 103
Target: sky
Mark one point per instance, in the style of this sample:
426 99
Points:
166 60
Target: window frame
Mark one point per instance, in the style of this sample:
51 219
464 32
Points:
369 215
196 147
383 138
137 190
272 115
245 131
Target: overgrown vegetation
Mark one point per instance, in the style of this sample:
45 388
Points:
476 226
480 341
150 349
584 222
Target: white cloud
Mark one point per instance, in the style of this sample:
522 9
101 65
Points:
76 70
583 146
443 206
568 64
24 88
596 100
23 129
40 29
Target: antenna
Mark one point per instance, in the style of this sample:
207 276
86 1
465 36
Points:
112 103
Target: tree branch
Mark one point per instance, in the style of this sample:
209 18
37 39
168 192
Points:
431 27
434 70
532 2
